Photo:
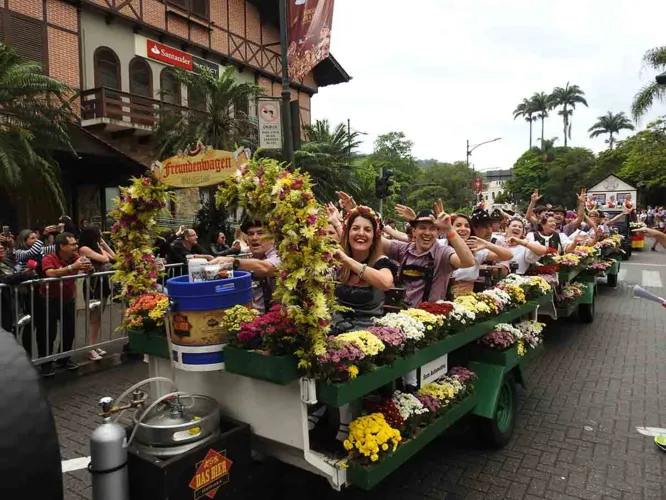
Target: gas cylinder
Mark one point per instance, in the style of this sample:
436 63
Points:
108 460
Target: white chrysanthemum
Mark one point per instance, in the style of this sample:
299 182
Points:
412 328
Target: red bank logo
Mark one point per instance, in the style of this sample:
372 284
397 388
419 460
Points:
169 55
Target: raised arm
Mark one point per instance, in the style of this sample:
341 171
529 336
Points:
496 253
529 215
532 246
658 235
377 278
624 213
463 256
581 211
396 235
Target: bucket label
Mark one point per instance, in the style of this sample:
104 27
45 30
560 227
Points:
212 472
199 328
224 287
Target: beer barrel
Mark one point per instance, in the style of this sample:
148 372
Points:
196 337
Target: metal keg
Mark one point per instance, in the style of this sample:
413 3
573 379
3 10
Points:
177 425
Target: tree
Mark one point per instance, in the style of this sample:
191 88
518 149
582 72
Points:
567 173
394 151
328 156
567 97
450 182
530 172
219 120
610 124
35 113
526 110
654 59
541 104
645 152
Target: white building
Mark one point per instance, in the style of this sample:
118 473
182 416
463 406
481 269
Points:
494 185
612 192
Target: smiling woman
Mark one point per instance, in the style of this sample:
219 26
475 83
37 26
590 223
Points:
366 272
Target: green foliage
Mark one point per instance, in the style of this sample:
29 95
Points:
328 155
652 92
526 110
35 113
209 221
610 124
218 122
450 182
541 104
529 173
645 154
566 174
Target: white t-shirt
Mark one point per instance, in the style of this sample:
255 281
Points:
564 240
471 273
523 256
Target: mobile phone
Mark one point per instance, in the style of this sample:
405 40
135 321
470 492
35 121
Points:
5 231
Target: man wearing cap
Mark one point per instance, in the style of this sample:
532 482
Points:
425 266
263 265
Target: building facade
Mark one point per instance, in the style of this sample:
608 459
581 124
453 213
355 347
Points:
120 54
494 185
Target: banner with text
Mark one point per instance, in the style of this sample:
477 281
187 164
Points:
309 34
200 168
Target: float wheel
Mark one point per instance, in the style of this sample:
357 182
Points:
497 431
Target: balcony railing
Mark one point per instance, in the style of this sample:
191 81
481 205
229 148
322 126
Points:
122 110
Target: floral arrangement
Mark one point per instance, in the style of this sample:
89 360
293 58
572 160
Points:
274 332
394 341
571 293
499 297
472 303
550 258
502 337
147 312
235 316
408 405
413 329
598 268
532 286
134 233
456 317
284 201
532 331
341 361
637 225
433 324
539 269
514 291
368 343
569 261
371 438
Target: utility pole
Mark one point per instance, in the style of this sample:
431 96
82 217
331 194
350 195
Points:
287 135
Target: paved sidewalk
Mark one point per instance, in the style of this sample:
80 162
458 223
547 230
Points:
576 436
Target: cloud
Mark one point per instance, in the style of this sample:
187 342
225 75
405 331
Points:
444 71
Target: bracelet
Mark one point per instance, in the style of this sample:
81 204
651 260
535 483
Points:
360 275
69 268
450 236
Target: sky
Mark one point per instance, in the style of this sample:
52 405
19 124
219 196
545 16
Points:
448 71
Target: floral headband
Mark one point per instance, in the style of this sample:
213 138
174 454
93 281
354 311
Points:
519 219
362 209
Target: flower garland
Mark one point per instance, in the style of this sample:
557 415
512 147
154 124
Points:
134 233
284 201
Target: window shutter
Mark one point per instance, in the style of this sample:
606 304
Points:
27 38
2 25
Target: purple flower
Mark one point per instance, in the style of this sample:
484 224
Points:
389 335
462 374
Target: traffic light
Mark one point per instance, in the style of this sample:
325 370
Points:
384 183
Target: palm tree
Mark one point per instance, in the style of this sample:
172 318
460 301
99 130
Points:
541 105
328 155
217 120
547 147
35 113
567 97
610 124
526 110
654 59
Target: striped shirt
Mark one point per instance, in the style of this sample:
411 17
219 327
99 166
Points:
35 252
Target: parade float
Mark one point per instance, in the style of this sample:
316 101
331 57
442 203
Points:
267 372
637 239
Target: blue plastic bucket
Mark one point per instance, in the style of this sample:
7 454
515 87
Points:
197 340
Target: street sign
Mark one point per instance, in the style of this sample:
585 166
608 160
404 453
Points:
477 185
270 124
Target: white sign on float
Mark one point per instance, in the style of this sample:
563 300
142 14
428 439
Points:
433 370
270 124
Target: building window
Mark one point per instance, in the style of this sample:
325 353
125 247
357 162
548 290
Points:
492 196
141 78
107 69
197 8
169 87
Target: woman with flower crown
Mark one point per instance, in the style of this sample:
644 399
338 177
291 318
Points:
365 273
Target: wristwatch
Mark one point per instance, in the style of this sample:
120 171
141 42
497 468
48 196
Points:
236 264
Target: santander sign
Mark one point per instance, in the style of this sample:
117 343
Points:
169 55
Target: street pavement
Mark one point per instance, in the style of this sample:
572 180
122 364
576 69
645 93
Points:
576 435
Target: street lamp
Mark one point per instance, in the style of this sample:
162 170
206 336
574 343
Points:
472 148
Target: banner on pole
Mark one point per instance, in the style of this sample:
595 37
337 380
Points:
200 167
270 124
309 34
477 185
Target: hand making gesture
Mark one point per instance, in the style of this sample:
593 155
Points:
405 213
442 221
346 202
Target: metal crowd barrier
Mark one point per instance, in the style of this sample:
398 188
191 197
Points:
33 315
